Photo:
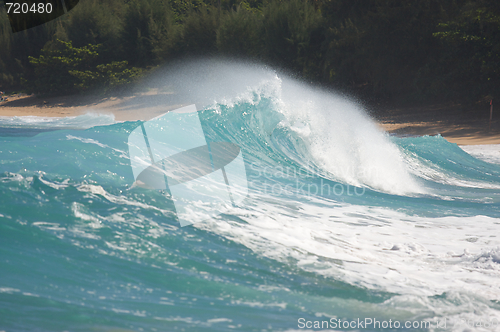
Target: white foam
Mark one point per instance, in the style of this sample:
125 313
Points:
344 141
435 173
85 121
339 137
373 246
489 153
378 249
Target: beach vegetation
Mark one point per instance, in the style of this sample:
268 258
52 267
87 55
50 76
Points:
380 50
64 69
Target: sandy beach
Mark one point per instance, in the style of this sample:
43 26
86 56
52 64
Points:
141 106
456 124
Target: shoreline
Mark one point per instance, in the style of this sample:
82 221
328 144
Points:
454 124
143 106
457 124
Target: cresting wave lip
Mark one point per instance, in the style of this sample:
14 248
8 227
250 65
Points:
323 129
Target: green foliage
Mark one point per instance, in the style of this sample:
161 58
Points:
341 61
292 34
6 77
239 33
95 22
391 49
105 76
382 46
16 47
471 55
68 69
148 32
182 8
198 33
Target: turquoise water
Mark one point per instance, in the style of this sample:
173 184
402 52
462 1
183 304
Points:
404 229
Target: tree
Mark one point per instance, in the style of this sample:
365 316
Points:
470 63
69 69
293 35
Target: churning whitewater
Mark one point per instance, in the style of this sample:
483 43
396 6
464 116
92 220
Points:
341 222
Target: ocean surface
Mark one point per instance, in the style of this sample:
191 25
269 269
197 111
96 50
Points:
343 224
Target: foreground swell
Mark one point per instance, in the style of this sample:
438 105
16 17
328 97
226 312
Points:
341 221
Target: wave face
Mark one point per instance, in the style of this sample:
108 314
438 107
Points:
341 222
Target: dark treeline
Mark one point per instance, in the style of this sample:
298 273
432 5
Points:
406 50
